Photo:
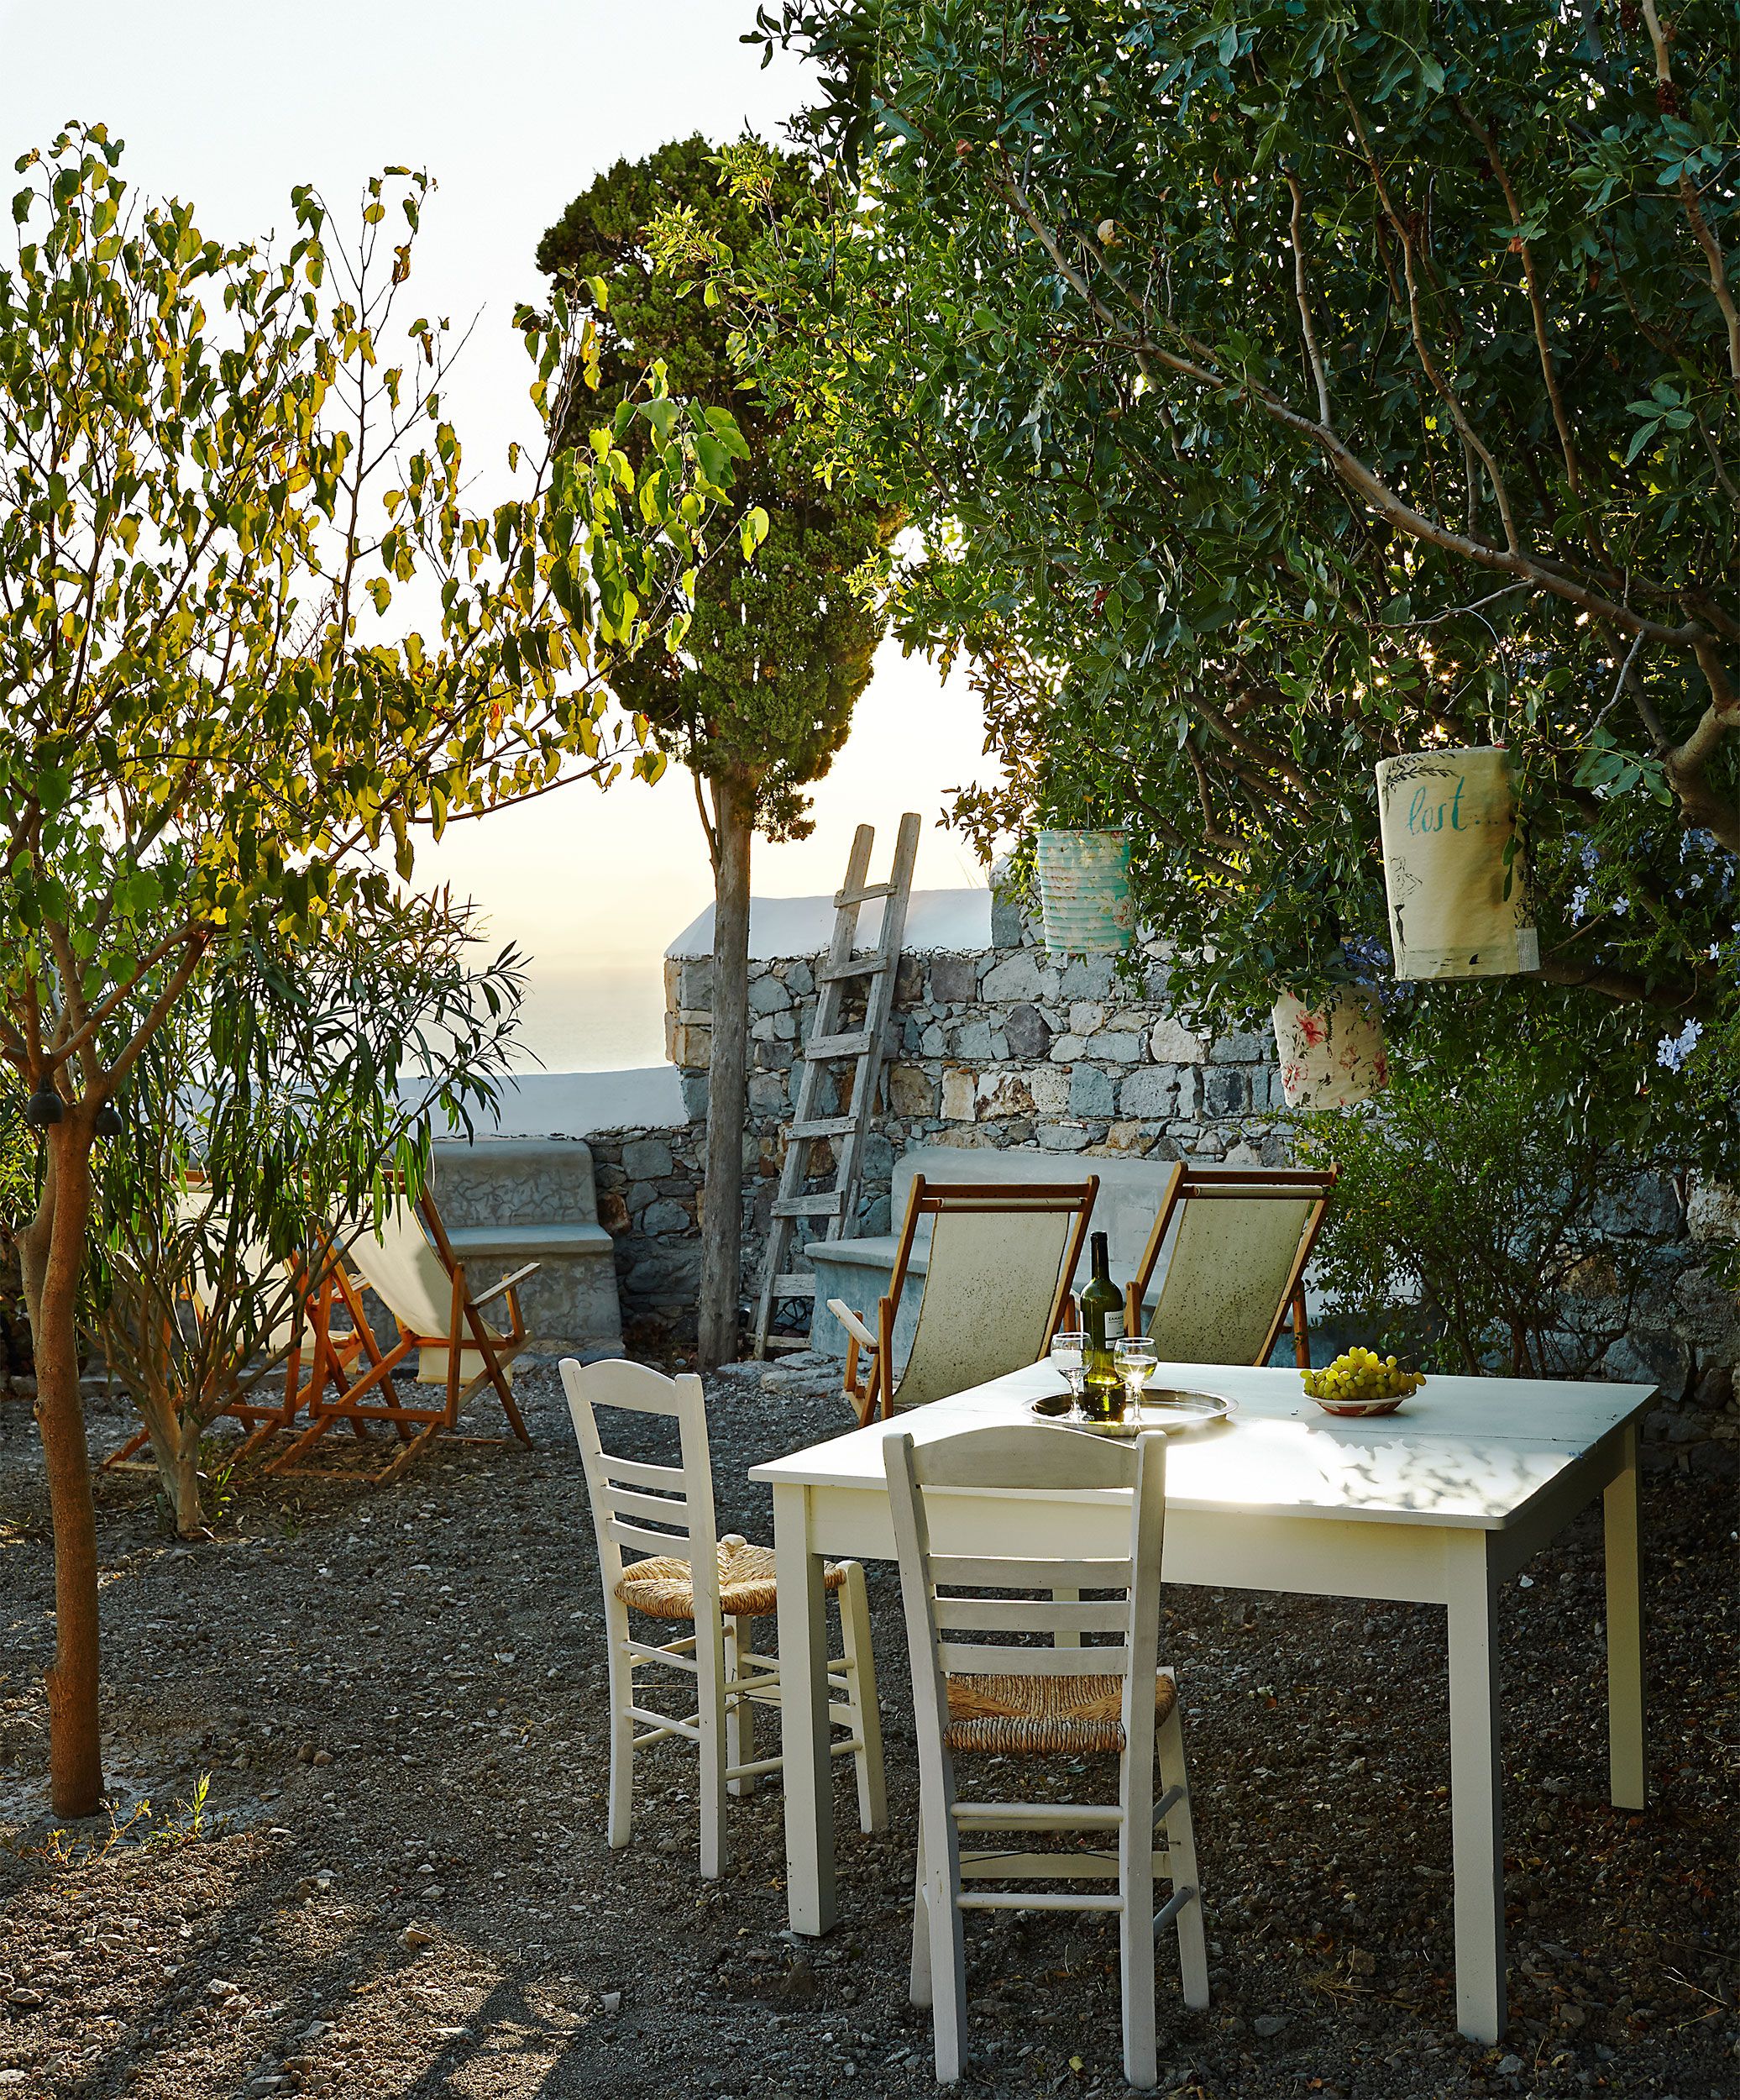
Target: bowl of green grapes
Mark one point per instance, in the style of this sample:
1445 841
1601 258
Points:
1360 1382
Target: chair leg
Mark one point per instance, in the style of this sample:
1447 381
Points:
866 1722
918 1987
620 1827
948 1957
739 1713
1135 1929
710 1704
1182 1860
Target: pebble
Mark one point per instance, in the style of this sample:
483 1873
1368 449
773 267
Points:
1509 2066
415 1936
1269 2024
611 2000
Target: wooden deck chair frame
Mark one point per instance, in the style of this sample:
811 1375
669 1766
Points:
876 1391
372 1398
1189 1183
975 1628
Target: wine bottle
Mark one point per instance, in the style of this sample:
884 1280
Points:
1103 1322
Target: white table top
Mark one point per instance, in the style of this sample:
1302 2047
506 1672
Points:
1467 1452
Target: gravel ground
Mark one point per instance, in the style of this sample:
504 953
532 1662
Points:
397 1883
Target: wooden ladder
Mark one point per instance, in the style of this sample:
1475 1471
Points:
831 1045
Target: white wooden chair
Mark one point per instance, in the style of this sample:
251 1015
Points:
971 1696
719 1586
1001 1263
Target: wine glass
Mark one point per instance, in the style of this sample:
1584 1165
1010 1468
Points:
1069 1355
1136 1356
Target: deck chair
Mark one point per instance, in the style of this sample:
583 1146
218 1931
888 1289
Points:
409 1264
296 1342
1003 1263
1241 1237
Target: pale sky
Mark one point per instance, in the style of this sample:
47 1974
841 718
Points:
513 107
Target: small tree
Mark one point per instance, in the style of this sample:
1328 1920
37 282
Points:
265 1117
760 696
217 465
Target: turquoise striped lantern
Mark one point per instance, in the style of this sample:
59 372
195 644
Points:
1084 892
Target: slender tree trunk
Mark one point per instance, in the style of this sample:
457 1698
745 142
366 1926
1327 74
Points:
727 1095
53 1251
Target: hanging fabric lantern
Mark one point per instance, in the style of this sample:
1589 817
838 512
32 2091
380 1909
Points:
1458 907
1333 1056
1084 892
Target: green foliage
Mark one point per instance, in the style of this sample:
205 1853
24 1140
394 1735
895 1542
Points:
220 467
1277 387
783 630
1479 1222
269 1111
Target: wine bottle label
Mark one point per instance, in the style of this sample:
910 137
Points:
1114 1327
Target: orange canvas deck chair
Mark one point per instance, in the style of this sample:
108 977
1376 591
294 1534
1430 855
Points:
1241 1237
410 1265
1003 1261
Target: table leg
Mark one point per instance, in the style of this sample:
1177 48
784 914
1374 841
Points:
1627 1781
1476 1801
803 1728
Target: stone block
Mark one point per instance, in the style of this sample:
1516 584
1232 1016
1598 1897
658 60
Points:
664 1217
1065 1049
768 994
933 1040
1050 1086
1171 1042
613 1212
973 1040
1002 1093
647 1158
767 1092
1088 977
672 983
1190 1090
1027 1032
954 980
641 1193
911 1091
1007 930
1085 1015
799 980
694 1095
1149 1094
960 1094
1131 1138
1115 1046
696 981
1019 977
1226 1090
690 1047
878 1159
1091 1091
1712 1210
1240 1049
1064 1137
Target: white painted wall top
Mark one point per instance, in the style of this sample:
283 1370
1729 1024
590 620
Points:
938 922
573 1103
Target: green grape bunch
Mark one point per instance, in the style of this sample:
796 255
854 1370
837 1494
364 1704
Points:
1361 1374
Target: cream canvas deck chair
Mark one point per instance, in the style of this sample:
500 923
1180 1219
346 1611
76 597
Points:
1002 1264
1240 1239
410 1265
998 1673
296 1343
718 1588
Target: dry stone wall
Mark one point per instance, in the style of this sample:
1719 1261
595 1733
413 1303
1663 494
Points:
1014 1047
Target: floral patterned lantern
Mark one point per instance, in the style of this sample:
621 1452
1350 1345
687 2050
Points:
1334 1056
1085 902
1458 907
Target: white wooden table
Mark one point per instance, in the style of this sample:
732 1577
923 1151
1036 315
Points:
1438 1505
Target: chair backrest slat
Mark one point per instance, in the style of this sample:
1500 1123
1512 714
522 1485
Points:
639 1473
629 1502
983 1658
1027 1614
973 1570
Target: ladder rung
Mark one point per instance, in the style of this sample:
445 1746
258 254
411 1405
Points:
826 1205
794 1287
838 1046
859 966
823 1126
866 895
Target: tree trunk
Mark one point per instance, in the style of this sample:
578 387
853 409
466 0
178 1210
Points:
175 1434
727 1096
53 1251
